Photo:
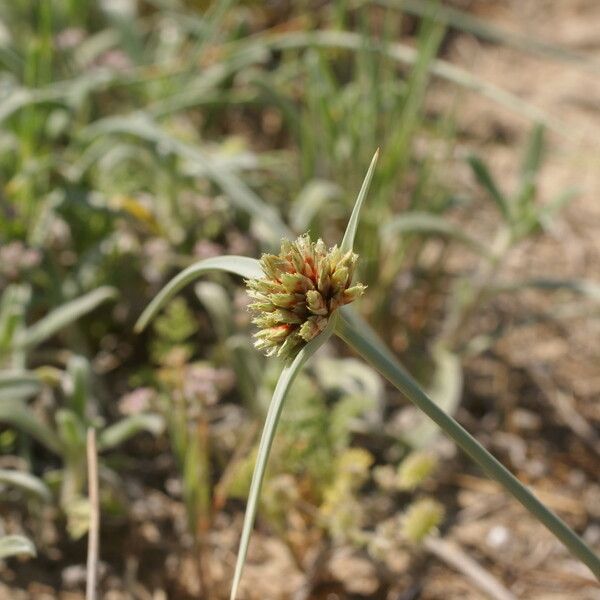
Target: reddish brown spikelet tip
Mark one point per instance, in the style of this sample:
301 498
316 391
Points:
301 287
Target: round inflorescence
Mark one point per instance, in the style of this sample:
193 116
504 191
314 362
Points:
302 286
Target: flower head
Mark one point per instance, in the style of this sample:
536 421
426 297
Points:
302 286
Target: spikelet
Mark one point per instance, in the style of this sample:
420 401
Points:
302 286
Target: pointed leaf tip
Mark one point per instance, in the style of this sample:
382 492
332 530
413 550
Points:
348 239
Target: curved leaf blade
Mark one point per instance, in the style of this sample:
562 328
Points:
240 194
65 315
421 222
348 239
126 428
249 268
26 482
17 415
284 383
18 385
11 545
486 181
445 390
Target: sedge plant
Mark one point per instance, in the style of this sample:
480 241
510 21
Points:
301 299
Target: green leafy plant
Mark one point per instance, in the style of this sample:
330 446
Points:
346 324
63 432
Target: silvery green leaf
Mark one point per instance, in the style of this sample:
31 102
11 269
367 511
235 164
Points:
26 482
314 197
243 266
143 127
64 315
126 428
445 390
18 385
17 415
485 179
12 545
79 371
71 431
384 361
420 222
284 383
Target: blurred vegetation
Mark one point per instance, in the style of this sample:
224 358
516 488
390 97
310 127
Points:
138 137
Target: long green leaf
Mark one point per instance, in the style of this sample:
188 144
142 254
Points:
142 127
445 390
126 428
316 195
80 371
408 55
71 431
26 482
249 268
64 315
533 154
485 179
17 415
391 370
18 385
421 222
348 239
286 379
11 545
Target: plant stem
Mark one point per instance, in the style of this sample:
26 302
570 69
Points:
94 530
366 345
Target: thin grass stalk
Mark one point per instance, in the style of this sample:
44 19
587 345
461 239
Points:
94 530
385 363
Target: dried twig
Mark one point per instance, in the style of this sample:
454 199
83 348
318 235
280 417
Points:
453 555
93 534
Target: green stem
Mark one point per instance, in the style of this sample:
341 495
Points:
381 359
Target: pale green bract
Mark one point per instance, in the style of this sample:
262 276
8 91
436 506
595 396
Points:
353 330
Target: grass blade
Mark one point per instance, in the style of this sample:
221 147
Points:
26 482
407 55
12 545
348 239
421 222
286 379
64 315
485 179
18 385
126 428
445 390
533 154
144 128
249 268
17 415
389 368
